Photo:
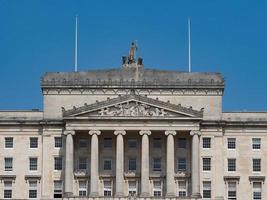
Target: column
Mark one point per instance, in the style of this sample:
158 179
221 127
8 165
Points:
119 163
195 165
94 174
69 154
170 182
145 164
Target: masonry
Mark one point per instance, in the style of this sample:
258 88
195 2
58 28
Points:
132 132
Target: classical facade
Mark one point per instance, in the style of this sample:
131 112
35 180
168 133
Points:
133 133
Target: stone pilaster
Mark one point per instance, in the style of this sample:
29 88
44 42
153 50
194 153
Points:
94 173
170 182
69 157
119 163
145 164
195 176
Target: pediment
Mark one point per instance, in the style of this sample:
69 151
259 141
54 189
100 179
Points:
132 106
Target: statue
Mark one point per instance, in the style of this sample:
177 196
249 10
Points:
133 49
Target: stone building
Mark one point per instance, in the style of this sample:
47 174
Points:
130 133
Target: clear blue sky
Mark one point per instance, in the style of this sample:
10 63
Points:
227 36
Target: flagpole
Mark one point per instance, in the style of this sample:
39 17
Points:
76 43
189 44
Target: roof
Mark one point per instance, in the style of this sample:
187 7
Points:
133 76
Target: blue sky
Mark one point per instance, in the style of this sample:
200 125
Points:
227 36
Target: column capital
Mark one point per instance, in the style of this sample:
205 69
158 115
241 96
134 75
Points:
145 132
170 133
119 132
92 132
69 132
192 133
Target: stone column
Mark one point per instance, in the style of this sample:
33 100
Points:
195 165
94 174
145 164
69 154
119 163
170 182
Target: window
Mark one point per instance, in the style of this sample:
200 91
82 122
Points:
206 189
182 143
58 189
33 142
8 142
82 188
8 164
206 142
32 189
58 142
132 164
132 188
33 164
83 143
7 189
107 188
58 163
231 190
182 191
82 163
107 164
256 164
256 143
157 188
157 143
231 144
257 190
157 164
206 164
181 164
132 143
107 142
231 164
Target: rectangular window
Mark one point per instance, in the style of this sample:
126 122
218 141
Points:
58 189
157 143
182 191
33 162
8 142
256 143
132 164
58 163
182 143
132 188
107 164
231 164
7 189
256 164
58 142
231 143
8 164
231 190
157 191
206 189
132 143
82 188
32 189
181 164
257 190
82 163
206 142
83 143
107 142
33 142
107 188
157 164
206 164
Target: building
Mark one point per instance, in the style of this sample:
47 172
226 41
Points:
133 132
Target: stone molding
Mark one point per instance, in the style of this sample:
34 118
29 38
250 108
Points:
170 133
92 132
120 132
145 132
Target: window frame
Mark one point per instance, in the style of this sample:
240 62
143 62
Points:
206 168
181 191
130 142
83 143
82 191
107 145
33 189
8 168
254 160
107 189
230 167
179 164
130 161
58 190
8 188
33 166
104 164
231 145
58 140
33 142
206 189
9 144
257 192
181 145
85 163
157 191
132 191
256 143
157 164
234 191
157 142
56 168
206 145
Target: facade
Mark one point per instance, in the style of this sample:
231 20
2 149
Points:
133 133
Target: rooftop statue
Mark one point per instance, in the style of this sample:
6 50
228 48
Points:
130 59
